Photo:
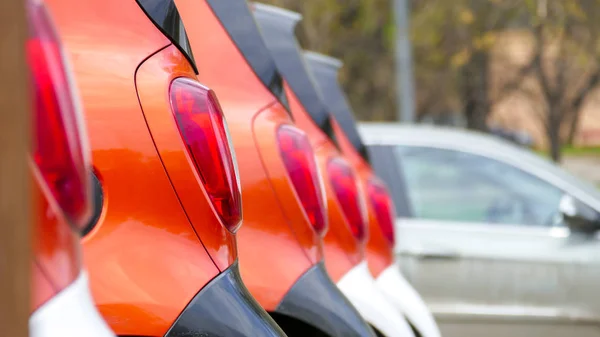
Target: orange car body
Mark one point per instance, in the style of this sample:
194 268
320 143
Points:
142 228
379 251
274 222
379 248
388 279
344 243
279 249
342 251
157 241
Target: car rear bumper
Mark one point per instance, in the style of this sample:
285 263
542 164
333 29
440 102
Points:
315 300
71 313
224 307
359 286
404 297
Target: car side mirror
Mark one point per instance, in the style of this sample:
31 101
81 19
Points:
579 217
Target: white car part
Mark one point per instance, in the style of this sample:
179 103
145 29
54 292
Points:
359 287
71 313
405 298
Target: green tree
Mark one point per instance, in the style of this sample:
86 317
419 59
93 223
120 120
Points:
565 63
452 44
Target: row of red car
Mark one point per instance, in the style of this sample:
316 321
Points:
218 194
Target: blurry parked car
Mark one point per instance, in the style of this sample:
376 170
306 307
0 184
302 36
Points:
161 248
498 240
279 244
380 245
344 243
518 137
61 304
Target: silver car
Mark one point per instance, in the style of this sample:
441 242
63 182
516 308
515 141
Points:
498 240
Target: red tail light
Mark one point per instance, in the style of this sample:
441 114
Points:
346 190
59 149
300 162
204 130
383 207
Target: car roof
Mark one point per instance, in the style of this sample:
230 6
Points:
325 72
482 144
238 21
277 27
393 133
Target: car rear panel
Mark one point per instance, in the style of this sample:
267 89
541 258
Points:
379 253
153 79
341 249
342 252
144 259
270 230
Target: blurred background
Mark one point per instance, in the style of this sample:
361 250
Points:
525 70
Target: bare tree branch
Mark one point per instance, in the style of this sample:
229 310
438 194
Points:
538 63
515 83
561 63
591 84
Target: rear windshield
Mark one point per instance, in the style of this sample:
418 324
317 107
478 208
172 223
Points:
326 77
239 23
284 47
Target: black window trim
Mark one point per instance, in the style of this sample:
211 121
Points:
279 23
319 64
165 16
251 45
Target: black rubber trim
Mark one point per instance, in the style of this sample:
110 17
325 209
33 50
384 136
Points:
326 77
225 308
98 196
316 300
165 16
277 27
414 330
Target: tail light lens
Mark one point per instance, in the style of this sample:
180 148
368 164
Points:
346 190
383 208
204 131
300 162
59 148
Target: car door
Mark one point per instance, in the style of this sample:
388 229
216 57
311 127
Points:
481 241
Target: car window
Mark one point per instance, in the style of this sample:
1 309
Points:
387 167
458 186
